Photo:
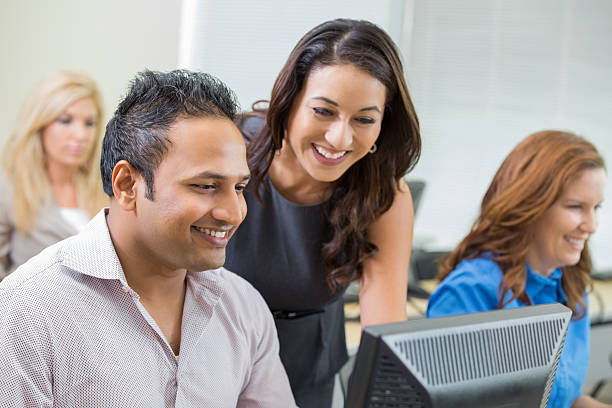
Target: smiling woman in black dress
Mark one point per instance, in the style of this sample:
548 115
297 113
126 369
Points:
327 204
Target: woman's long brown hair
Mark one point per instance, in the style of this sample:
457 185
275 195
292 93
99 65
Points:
528 183
368 188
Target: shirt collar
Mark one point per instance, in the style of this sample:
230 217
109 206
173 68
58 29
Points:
537 283
94 241
101 260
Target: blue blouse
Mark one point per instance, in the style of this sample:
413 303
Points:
473 287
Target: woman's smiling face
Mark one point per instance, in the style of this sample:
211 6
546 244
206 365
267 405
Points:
562 231
334 120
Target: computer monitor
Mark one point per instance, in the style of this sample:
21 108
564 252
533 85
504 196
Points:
503 358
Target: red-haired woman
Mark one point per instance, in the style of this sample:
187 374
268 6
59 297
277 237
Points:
530 246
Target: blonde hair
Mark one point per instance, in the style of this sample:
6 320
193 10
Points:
23 158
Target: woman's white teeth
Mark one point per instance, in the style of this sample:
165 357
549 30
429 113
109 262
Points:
329 155
578 242
212 233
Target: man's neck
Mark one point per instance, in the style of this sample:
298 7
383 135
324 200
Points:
153 285
164 299
161 291
163 296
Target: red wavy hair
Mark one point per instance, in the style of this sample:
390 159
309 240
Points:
528 182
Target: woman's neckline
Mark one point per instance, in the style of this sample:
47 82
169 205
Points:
291 202
297 193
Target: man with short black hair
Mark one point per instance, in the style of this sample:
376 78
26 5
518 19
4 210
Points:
121 315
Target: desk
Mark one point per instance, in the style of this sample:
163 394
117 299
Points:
600 303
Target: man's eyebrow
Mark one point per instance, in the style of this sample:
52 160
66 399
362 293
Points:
334 103
219 176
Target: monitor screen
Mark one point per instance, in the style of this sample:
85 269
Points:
502 358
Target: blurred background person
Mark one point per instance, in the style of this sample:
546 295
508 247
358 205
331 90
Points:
50 176
327 204
529 246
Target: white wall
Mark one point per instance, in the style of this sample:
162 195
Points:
110 39
483 73
246 43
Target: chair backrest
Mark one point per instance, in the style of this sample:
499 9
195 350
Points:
416 189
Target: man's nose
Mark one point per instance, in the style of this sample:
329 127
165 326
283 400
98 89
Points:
231 208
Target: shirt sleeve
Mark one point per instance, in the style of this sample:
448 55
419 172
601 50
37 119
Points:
268 385
470 288
25 356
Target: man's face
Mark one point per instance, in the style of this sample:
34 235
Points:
198 196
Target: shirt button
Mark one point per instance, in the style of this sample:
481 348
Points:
126 289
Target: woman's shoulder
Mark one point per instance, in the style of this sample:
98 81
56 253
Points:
6 187
4 179
471 287
396 215
482 271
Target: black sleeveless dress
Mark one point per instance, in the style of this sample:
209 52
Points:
278 250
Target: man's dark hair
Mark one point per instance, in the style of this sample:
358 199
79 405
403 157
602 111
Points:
137 132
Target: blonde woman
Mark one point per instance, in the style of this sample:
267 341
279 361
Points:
50 181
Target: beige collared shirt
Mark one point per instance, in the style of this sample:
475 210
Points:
74 334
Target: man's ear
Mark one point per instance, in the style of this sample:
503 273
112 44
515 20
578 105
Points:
125 185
